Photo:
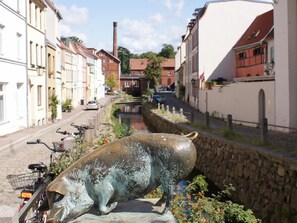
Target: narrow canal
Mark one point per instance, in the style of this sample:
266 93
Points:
131 114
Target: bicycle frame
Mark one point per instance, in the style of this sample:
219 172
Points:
32 201
33 197
41 184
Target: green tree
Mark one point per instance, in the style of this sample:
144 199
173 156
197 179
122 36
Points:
153 71
124 55
147 55
167 51
111 81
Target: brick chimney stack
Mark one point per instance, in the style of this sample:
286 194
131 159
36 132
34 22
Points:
115 44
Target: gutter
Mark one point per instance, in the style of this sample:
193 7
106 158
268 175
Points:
27 71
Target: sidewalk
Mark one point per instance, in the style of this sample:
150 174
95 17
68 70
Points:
281 143
17 137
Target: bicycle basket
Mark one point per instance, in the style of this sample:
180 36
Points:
22 180
59 146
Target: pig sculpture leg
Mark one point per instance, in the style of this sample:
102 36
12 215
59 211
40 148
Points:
104 198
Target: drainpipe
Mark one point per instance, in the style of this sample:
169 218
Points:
27 73
45 72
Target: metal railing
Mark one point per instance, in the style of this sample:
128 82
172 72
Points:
261 131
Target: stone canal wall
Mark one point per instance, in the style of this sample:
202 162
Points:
265 182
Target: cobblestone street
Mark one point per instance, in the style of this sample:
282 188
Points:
16 155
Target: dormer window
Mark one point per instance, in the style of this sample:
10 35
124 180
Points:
242 55
258 51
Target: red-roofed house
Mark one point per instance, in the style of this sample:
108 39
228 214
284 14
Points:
137 67
255 49
110 65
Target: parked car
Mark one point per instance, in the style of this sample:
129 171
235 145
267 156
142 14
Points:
92 105
159 99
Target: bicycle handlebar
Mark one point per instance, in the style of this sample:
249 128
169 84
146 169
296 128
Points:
85 127
63 132
34 142
58 150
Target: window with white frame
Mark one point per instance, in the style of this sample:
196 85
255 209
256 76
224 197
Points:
36 16
30 12
39 95
19 39
1 39
127 84
272 54
41 56
31 53
2 102
49 64
18 5
136 84
40 19
20 102
36 53
54 66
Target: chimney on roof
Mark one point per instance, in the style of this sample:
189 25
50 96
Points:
115 44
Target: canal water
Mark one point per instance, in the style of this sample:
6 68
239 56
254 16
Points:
131 112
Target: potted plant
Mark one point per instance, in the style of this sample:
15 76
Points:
54 109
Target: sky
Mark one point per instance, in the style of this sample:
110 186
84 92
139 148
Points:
143 25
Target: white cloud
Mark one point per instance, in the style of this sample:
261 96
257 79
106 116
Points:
139 35
73 15
167 4
179 6
66 31
157 18
136 28
142 36
174 5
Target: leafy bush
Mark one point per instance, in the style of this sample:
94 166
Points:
63 161
191 205
66 105
120 129
53 104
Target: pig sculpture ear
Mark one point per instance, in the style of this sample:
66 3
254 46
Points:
57 186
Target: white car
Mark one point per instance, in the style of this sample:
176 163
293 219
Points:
92 105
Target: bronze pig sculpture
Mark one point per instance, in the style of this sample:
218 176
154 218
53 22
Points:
125 169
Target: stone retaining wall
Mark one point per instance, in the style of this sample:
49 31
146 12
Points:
265 182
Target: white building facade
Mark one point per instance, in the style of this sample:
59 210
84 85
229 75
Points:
285 41
36 63
100 79
53 18
179 75
13 70
221 24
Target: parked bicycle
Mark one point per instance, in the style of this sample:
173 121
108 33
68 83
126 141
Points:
33 207
81 130
77 135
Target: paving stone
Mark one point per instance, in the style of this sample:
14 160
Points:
134 211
